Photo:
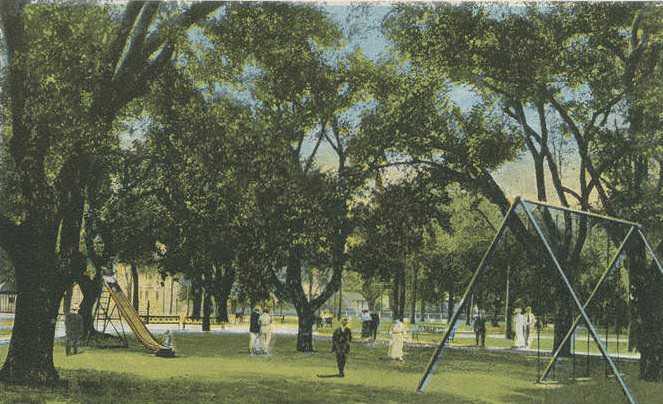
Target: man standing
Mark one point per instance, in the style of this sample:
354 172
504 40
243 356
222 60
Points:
375 323
265 331
480 329
254 330
341 345
73 324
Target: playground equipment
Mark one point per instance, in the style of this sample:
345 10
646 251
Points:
513 219
126 311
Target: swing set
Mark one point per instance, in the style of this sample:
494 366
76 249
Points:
515 220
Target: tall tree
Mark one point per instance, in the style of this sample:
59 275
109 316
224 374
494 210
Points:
93 60
566 71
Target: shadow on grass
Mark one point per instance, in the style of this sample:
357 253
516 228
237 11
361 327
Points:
90 386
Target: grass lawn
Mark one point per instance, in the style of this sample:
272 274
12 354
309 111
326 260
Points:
216 368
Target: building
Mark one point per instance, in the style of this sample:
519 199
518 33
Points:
7 297
162 296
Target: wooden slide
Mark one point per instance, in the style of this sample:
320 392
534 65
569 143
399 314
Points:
133 320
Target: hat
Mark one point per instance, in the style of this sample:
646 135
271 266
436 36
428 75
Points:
344 320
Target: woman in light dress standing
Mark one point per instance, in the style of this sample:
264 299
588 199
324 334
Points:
398 335
519 322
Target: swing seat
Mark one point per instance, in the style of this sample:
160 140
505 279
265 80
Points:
582 379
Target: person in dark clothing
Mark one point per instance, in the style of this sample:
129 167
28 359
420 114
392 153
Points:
366 324
73 325
341 345
375 323
480 328
254 330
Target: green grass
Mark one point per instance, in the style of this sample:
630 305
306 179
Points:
216 368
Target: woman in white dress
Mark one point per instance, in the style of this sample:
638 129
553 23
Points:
530 327
265 332
519 329
398 334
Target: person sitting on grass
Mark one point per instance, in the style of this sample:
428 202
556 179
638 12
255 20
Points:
168 340
341 345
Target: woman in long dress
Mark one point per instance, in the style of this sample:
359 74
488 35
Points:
398 334
530 327
519 329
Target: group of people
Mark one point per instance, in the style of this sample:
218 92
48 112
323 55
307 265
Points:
369 324
342 338
524 328
260 328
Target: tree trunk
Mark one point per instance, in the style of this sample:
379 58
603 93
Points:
30 355
450 306
401 301
508 320
371 305
468 310
508 310
563 314
90 289
422 312
134 287
305 321
66 301
647 324
395 305
632 345
222 307
197 302
223 289
413 308
207 311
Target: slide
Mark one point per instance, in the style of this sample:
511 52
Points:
133 320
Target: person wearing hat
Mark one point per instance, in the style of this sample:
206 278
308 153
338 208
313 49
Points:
254 330
73 325
341 344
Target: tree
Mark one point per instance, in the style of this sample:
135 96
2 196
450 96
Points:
302 86
93 61
571 73
392 231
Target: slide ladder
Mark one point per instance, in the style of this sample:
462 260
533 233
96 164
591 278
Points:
135 323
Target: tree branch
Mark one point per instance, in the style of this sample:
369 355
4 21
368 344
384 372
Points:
119 43
134 49
309 161
196 12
